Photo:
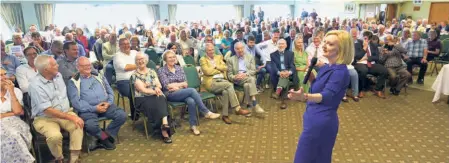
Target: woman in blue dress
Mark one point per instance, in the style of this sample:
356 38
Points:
320 125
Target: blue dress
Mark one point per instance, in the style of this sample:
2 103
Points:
320 126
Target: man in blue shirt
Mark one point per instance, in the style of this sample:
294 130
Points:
92 97
9 62
51 109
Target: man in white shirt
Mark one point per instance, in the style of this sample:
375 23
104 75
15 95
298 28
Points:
266 48
124 65
27 71
316 50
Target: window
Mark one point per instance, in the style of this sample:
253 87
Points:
6 32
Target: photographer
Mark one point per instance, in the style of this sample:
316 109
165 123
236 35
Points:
391 58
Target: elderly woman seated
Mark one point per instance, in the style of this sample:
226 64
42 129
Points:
149 98
179 57
175 88
16 136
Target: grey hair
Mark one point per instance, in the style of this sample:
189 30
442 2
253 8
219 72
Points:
237 43
77 61
227 31
57 43
16 35
145 56
41 62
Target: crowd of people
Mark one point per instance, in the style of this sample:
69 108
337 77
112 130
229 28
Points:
53 70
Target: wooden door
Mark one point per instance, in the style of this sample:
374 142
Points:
391 11
439 11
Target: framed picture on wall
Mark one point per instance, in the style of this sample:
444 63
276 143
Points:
349 7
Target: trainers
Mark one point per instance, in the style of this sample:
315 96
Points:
267 86
195 130
259 109
212 115
106 144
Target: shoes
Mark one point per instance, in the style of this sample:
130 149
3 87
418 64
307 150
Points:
267 86
380 94
356 99
106 144
283 105
361 94
242 112
167 139
345 99
195 130
259 109
212 115
226 120
260 89
275 96
278 91
420 81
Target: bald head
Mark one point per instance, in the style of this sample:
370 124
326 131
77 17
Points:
69 37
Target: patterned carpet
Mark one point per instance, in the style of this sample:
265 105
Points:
408 128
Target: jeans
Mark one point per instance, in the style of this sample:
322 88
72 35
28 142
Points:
260 75
354 82
109 72
193 99
117 115
123 89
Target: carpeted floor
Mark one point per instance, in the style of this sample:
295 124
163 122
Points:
406 128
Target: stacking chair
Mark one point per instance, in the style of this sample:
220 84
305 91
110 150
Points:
153 56
189 60
136 112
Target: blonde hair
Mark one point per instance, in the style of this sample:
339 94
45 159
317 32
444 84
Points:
345 46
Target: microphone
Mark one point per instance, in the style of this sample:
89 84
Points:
312 65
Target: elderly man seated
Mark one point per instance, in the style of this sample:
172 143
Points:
214 81
92 97
242 72
283 71
40 44
17 42
26 72
51 109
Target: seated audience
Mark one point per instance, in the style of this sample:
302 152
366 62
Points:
239 38
391 58
16 135
315 49
405 38
301 61
109 49
179 58
417 55
135 43
92 97
70 38
9 62
40 44
56 50
261 71
26 72
97 47
149 97
242 72
214 80
202 50
174 86
283 72
16 41
124 66
67 65
226 42
184 42
366 58
433 45
51 109
267 47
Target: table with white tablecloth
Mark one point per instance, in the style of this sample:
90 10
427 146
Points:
441 84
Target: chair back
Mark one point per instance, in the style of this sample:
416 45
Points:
193 79
445 46
153 56
27 108
424 36
151 65
189 60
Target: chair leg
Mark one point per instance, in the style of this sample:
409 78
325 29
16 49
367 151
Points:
197 116
123 103
146 128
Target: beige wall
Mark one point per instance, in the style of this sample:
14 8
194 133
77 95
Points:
407 9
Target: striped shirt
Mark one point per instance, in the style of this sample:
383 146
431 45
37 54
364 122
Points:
416 48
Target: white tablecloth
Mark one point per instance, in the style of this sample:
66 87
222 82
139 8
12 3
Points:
441 84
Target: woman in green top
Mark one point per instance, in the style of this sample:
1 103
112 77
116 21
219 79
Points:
301 61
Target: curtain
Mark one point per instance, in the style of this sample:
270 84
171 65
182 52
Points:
172 14
292 11
44 14
239 12
153 10
12 15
